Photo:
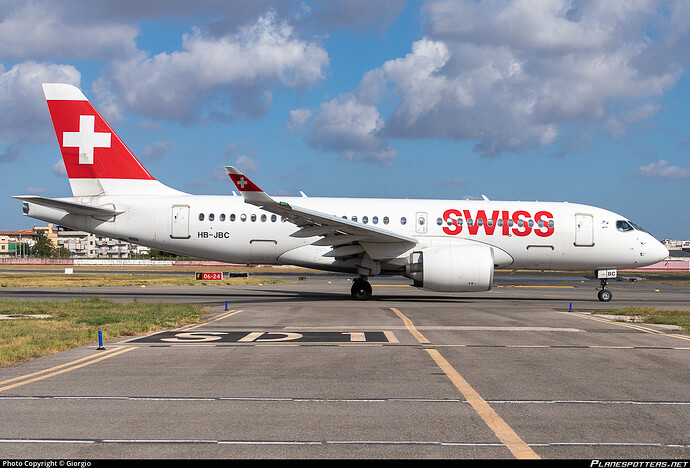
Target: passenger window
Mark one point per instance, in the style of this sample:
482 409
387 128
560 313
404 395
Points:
375 220
201 216
222 216
273 218
354 218
211 217
385 220
243 217
439 221
263 218
253 218
403 220
232 217
365 219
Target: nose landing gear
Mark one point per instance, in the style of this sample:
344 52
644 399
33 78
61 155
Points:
604 295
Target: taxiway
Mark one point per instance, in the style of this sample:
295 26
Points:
300 370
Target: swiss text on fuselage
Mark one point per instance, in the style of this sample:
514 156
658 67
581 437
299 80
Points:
499 222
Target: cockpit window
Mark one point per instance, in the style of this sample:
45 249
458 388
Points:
637 227
623 226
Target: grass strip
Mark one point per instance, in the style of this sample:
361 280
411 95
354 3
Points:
77 323
48 280
678 317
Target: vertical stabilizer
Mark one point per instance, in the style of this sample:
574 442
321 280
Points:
96 159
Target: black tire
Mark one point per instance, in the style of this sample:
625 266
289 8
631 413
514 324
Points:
361 290
605 295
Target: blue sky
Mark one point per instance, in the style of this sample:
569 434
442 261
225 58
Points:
553 100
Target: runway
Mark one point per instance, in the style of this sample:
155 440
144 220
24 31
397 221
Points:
299 370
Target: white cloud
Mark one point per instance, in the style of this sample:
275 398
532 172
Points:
156 151
418 81
297 119
45 30
347 126
661 170
246 164
617 124
24 116
59 169
509 75
357 14
229 76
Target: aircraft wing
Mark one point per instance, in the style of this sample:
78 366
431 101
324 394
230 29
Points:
69 207
345 236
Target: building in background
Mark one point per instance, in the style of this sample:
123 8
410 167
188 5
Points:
80 244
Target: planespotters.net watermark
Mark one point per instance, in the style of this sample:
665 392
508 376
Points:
46 463
637 464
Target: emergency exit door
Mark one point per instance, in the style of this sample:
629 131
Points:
584 230
421 223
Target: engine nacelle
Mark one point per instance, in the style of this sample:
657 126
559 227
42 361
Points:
460 268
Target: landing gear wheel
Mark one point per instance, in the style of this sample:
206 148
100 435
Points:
361 289
605 295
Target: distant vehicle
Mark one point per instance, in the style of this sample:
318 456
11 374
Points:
442 245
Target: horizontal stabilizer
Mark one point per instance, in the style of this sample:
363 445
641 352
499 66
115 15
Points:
69 206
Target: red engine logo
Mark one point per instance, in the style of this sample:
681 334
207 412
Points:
519 223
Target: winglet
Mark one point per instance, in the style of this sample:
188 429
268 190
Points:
248 189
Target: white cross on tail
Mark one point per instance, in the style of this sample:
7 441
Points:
86 139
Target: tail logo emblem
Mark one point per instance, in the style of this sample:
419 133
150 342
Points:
242 182
86 139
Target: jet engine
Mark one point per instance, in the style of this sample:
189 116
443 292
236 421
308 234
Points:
458 268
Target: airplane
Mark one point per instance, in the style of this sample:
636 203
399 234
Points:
441 245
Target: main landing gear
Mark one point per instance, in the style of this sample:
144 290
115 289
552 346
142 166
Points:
604 295
361 289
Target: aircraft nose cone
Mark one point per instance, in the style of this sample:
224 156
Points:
657 251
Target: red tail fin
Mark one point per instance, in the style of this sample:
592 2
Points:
96 159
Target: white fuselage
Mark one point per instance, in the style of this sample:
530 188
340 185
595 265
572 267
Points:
523 235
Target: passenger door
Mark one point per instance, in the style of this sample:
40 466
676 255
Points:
584 230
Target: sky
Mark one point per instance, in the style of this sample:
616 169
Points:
553 100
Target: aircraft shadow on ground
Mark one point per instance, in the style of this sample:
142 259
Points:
267 295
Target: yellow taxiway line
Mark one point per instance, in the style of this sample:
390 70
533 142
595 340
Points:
500 428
